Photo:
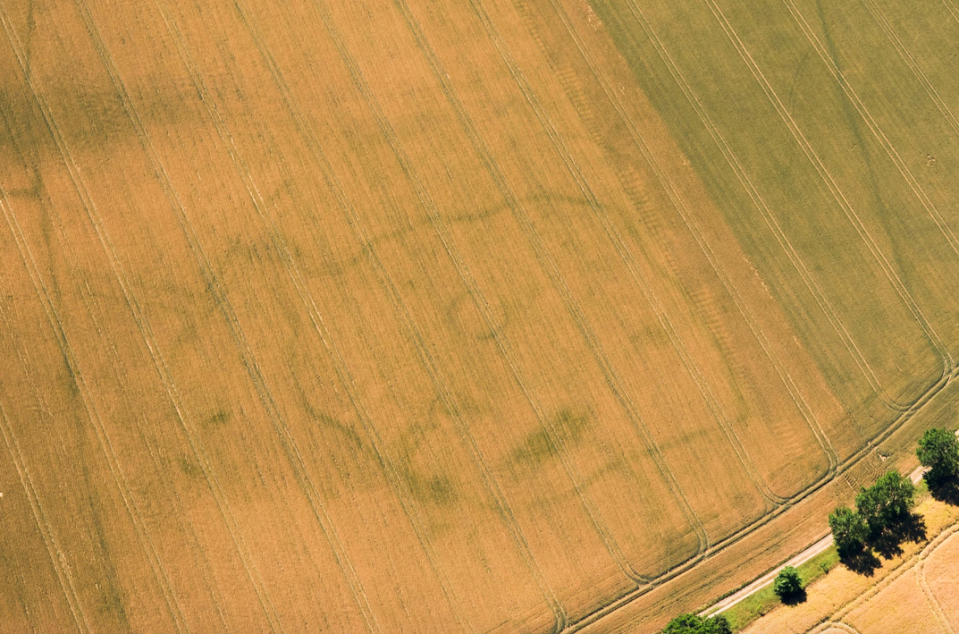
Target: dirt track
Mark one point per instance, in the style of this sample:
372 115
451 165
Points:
801 558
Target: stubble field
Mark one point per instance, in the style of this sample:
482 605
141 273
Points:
919 597
492 316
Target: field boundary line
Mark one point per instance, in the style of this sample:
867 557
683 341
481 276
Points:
844 467
546 264
103 439
782 239
831 183
639 279
802 557
905 566
874 126
683 210
60 566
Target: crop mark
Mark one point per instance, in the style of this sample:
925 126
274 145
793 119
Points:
218 292
78 382
689 363
216 420
31 27
684 212
140 320
482 304
393 474
55 323
538 446
551 272
387 283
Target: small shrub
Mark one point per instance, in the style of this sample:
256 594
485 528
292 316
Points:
788 585
695 624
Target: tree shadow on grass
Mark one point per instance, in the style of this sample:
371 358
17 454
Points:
946 490
863 561
794 599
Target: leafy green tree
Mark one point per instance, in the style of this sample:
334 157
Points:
695 624
939 451
885 503
849 531
788 585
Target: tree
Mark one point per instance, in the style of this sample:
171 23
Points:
939 451
788 585
885 503
849 531
695 624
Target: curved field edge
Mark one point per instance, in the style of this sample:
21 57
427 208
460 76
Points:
406 473
850 342
768 545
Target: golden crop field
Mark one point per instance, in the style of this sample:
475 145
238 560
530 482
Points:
484 316
903 594
921 598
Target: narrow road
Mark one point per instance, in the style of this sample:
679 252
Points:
801 558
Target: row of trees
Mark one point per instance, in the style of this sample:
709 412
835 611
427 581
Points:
880 510
882 519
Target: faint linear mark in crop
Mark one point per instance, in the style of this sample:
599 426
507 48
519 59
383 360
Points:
680 206
831 183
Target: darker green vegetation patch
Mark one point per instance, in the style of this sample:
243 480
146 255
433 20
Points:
695 624
564 429
435 489
189 468
218 419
